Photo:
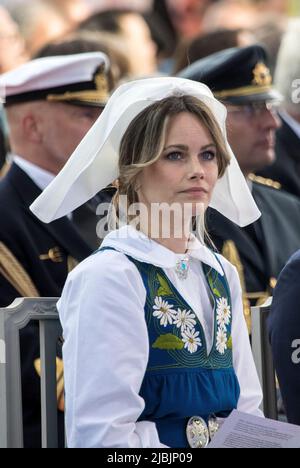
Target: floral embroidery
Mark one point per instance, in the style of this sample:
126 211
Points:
182 336
221 344
223 313
185 320
164 311
191 340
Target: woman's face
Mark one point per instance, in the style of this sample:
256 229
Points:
187 170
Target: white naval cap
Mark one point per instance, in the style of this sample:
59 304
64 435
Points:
80 79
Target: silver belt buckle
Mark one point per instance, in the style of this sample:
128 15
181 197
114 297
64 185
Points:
214 425
197 432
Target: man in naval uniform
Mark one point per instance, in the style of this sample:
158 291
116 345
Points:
50 105
239 77
286 167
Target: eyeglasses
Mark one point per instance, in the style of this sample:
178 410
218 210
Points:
255 110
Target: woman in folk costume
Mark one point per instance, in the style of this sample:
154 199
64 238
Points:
155 341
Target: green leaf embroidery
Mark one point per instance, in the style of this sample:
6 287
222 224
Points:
213 288
164 289
168 341
229 343
216 292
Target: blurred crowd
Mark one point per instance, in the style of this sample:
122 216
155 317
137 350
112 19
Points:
160 28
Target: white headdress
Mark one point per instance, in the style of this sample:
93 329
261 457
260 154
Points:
94 164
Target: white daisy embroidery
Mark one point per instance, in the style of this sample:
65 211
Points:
185 320
164 311
223 313
221 341
191 340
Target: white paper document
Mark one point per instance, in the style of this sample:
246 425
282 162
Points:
241 430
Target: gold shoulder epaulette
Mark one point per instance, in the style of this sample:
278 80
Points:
264 181
12 270
60 382
4 169
231 252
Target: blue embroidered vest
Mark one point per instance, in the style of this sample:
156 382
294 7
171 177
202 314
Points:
182 379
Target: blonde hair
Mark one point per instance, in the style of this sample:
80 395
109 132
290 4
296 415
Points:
144 140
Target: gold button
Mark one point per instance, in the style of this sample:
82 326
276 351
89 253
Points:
54 255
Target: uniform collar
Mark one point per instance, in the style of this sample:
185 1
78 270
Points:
39 176
291 122
137 245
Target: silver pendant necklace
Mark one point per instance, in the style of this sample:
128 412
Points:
182 267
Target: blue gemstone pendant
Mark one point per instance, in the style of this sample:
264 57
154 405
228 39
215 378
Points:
182 268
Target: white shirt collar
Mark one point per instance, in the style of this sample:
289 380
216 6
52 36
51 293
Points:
288 119
136 244
250 184
39 176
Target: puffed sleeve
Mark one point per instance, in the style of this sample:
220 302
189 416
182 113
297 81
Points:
251 393
105 354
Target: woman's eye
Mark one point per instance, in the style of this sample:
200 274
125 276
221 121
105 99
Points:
174 156
208 155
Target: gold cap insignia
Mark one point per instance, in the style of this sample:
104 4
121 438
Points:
99 95
101 83
262 75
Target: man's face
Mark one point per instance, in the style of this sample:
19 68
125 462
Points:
63 126
251 134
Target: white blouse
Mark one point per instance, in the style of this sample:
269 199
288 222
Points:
106 339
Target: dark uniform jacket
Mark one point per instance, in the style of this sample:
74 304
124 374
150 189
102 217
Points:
260 250
29 239
46 252
284 328
286 168
2 149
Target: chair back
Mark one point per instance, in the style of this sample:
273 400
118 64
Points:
262 353
12 320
